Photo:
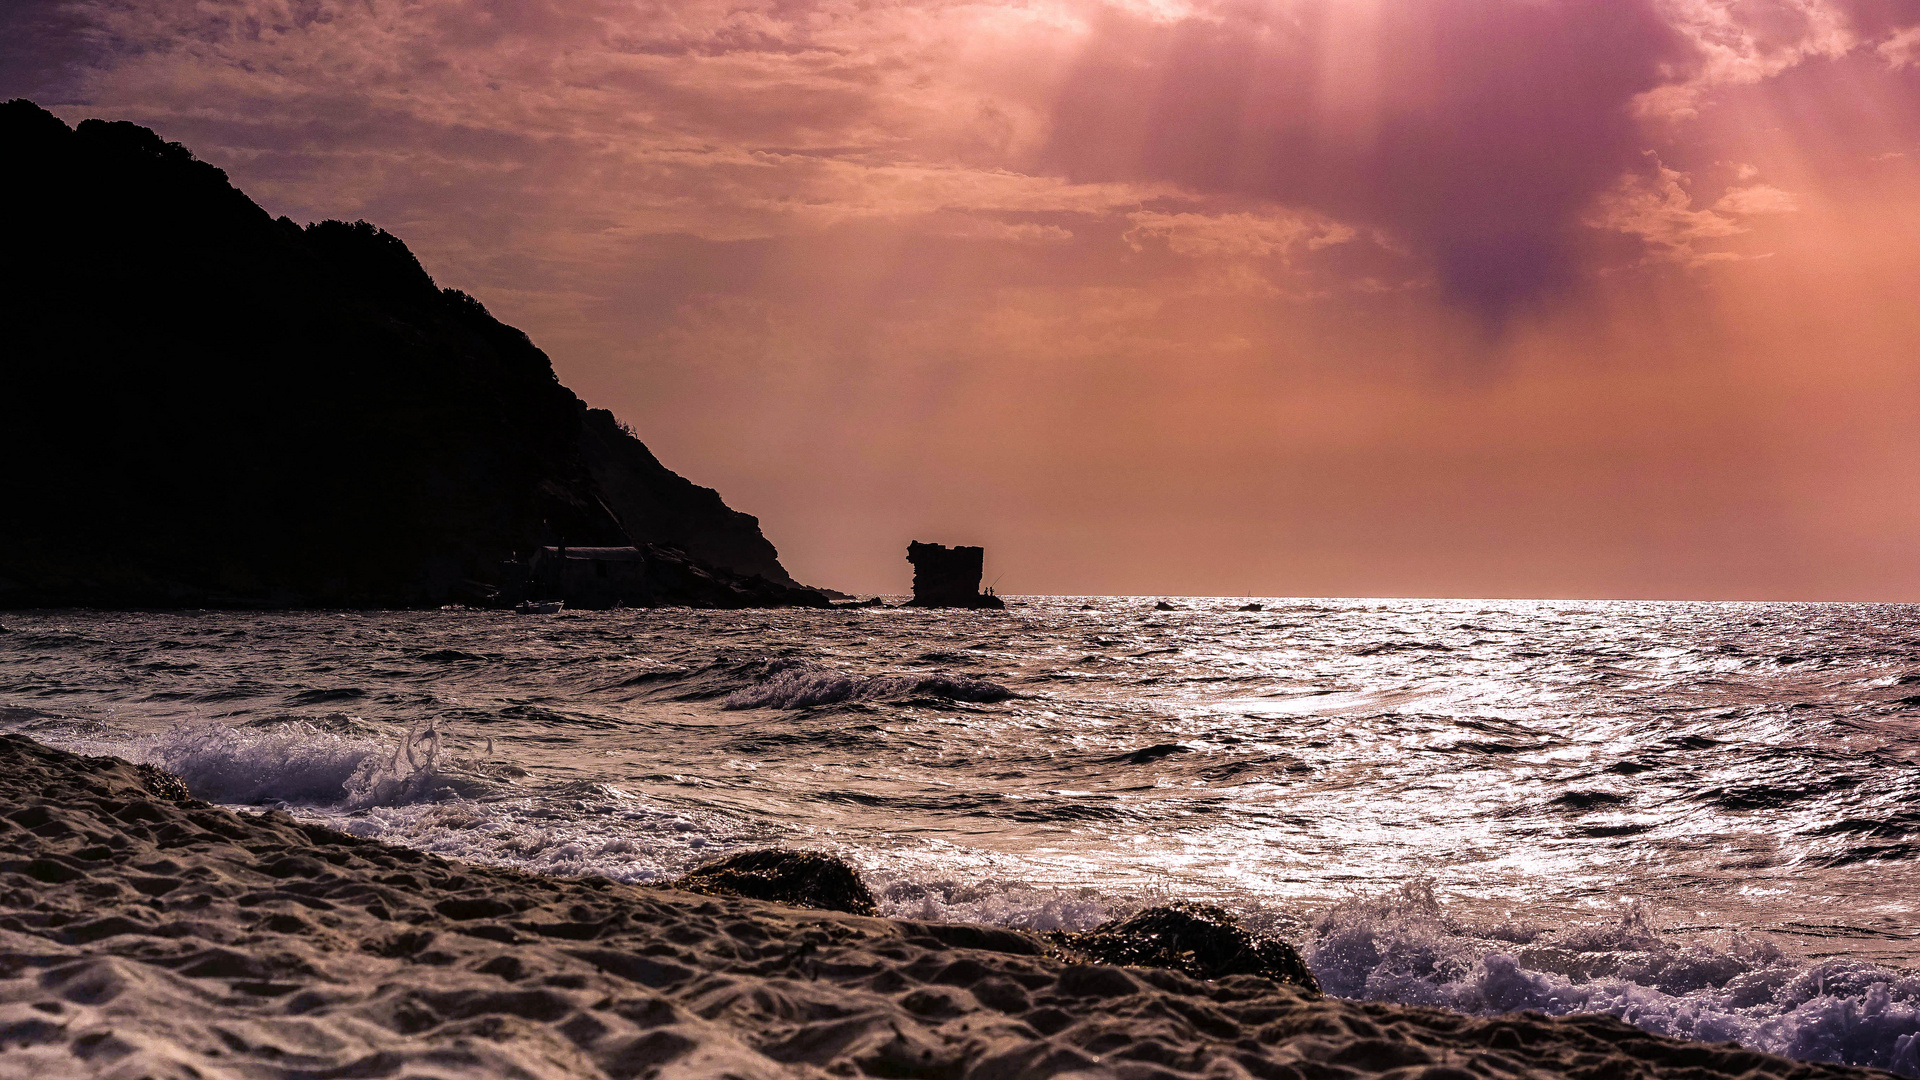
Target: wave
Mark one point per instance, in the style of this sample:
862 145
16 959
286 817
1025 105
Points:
1015 904
1403 948
800 685
302 764
615 835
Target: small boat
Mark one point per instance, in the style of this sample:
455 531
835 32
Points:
539 607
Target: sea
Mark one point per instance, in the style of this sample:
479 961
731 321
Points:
1703 818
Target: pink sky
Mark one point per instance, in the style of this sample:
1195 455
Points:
1290 297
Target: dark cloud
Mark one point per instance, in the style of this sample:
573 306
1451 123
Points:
43 43
1474 131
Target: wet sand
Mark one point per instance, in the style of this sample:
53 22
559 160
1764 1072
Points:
143 934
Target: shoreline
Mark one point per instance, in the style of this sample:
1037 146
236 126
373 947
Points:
143 933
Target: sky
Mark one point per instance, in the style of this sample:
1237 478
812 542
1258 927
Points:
1474 298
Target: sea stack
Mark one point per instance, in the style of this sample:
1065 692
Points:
948 577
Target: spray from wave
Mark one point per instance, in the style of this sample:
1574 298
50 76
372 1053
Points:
301 764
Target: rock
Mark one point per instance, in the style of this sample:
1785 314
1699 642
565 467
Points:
1253 607
1149 755
1196 939
948 577
797 878
1164 606
401 443
162 783
642 575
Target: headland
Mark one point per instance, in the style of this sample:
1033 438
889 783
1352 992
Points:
207 406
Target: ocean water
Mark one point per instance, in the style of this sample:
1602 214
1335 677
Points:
1703 818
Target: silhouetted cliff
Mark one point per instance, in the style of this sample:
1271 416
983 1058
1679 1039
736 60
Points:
204 404
659 506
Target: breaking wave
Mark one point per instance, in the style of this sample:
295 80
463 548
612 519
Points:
1403 948
301 764
803 686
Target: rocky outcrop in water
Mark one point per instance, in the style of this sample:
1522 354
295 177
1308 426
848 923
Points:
208 406
1201 940
948 577
804 879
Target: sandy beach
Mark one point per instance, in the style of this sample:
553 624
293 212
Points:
146 934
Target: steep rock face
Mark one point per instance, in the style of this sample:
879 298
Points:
948 577
205 404
659 506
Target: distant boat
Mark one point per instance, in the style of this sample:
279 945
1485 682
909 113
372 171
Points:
539 607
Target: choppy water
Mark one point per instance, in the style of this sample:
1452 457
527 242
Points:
1702 817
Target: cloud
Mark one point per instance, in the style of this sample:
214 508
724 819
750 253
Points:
1471 137
1758 199
1901 47
1742 42
1475 131
1240 235
1657 208
718 119
975 227
1745 41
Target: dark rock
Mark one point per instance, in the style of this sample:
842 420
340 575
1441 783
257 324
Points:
948 577
640 576
1164 606
797 878
208 406
658 506
1196 939
1253 607
1150 754
162 783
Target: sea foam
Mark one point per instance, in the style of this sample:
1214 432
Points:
1404 948
301 764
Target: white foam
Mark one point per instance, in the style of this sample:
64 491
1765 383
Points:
1016 904
629 842
1406 947
300 764
1403 948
